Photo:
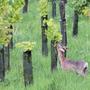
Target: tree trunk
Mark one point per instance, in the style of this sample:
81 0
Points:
63 23
75 24
2 65
27 66
7 57
25 8
53 56
53 8
44 37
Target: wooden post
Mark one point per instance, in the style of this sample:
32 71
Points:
63 23
65 1
7 57
2 65
75 23
44 37
53 56
11 41
53 8
25 8
27 66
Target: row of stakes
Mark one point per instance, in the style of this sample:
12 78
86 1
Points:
27 63
27 57
5 64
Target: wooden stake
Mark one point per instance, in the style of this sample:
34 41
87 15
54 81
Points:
53 56
7 57
44 37
27 66
11 41
63 23
53 8
25 8
75 24
2 65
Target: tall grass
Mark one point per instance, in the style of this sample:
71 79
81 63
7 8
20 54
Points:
29 29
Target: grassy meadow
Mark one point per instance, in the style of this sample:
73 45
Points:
29 29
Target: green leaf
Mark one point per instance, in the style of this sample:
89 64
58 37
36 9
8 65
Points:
52 32
25 45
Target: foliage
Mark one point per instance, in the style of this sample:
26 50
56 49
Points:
52 32
9 14
79 5
5 33
14 11
43 5
26 45
10 11
86 11
44 79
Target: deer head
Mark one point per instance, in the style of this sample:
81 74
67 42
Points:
61 48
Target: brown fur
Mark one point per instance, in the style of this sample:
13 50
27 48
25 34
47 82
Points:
79 67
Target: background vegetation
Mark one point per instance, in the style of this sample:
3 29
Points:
29 29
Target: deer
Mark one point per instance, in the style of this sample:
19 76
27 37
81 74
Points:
80 67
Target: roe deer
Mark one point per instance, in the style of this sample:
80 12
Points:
80 67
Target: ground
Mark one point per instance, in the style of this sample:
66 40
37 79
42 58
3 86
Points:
28 29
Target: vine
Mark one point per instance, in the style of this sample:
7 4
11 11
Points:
26 45
81 6
43 4
9 14
52 32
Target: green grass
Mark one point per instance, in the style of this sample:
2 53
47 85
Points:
29 29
